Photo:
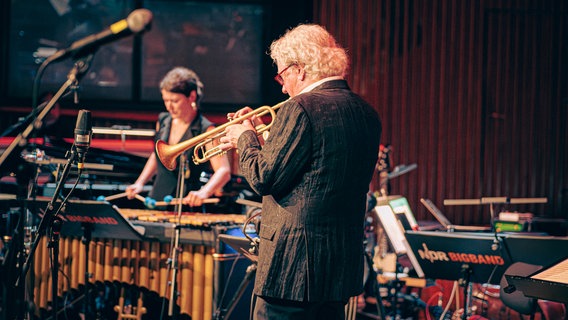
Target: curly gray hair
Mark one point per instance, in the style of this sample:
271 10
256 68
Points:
312 47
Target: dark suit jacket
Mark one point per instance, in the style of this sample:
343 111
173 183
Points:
313 172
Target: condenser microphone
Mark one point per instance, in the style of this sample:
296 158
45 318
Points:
83 132
137 21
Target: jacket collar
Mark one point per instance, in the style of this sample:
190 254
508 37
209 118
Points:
319 83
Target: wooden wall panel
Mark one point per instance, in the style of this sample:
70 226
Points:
473 92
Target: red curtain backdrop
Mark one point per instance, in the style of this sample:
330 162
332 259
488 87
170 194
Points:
473 92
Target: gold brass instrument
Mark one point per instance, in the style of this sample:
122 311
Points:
169 153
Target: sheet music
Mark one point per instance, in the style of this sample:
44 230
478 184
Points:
557 273
394 230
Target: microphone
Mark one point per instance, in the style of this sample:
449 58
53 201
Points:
82 136
137 21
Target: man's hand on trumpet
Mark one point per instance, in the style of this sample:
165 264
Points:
233 132
241 112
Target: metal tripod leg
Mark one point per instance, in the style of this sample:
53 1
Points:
375 287
251 271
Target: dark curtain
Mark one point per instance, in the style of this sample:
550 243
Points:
473 92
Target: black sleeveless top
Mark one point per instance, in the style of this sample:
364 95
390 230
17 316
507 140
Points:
165 181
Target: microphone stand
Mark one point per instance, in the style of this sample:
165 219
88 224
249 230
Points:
22 137
50 218
176 248
79 69
27 120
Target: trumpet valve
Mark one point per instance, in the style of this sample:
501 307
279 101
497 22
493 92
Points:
260 127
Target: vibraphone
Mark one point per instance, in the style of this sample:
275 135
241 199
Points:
144 263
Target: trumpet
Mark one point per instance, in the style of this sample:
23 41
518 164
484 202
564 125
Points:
169 153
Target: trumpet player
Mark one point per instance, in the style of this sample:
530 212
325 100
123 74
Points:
181 92
313 172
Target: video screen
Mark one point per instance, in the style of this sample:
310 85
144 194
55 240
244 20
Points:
222 42
38 28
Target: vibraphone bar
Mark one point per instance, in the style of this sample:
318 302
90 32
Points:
143 263
196 228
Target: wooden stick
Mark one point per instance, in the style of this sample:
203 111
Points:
177 201
115 196
139 197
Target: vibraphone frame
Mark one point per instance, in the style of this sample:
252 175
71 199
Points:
143 263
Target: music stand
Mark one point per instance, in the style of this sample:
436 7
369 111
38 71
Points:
396 235
464 257
104 220
87 219
442 255
242 246
394 229
550 283
535 249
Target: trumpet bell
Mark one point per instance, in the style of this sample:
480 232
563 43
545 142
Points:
167 154
162 151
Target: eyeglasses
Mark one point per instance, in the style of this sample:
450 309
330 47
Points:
278 76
